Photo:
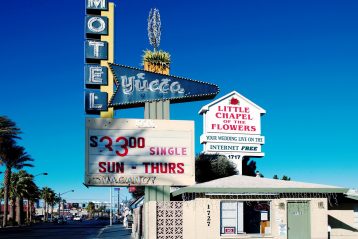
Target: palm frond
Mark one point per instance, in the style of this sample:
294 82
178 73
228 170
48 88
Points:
8 128
160 57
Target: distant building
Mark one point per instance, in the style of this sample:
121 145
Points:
74 208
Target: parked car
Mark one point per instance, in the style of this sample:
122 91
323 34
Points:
61 220
50 218
77 218
120 219
129 221
38 218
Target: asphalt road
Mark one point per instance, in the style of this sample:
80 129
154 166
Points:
77 230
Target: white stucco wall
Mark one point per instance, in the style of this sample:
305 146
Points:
150 220
319 218
196 218
342 220
195 215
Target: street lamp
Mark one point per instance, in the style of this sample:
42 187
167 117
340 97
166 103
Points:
41 174
59 203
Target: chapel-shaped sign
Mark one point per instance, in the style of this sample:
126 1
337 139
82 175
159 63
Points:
232 127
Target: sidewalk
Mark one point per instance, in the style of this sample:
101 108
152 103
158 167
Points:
114 231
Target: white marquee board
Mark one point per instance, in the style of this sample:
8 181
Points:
122 152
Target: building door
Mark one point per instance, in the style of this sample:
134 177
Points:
298 220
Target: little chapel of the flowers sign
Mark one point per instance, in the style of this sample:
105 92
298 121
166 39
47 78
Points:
232 127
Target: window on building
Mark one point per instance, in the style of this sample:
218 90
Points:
245 217
355 222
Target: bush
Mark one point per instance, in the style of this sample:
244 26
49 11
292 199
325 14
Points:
212 166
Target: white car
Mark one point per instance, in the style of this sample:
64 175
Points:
77 218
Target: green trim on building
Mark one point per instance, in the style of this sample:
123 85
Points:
257 190
353 197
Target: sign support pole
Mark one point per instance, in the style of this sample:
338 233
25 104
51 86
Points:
110 39
155 110
109 88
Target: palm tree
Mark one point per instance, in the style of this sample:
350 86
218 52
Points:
12 156
22 187
34 194
52 201
91 209
1 197
57 200
8 129
47 194
12 198
8 132
44 194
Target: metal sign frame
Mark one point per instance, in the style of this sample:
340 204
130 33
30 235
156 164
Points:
195 90
166 144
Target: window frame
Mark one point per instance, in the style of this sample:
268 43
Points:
269 202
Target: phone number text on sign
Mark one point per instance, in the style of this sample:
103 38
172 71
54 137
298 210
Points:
120 148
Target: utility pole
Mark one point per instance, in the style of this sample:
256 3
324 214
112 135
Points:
110 208
119 193
59 203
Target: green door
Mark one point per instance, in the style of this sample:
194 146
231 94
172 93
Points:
298 220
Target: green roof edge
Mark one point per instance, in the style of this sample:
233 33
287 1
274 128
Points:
352 197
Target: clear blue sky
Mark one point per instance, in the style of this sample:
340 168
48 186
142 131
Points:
296 59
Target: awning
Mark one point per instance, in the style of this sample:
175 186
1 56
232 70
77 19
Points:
239 184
